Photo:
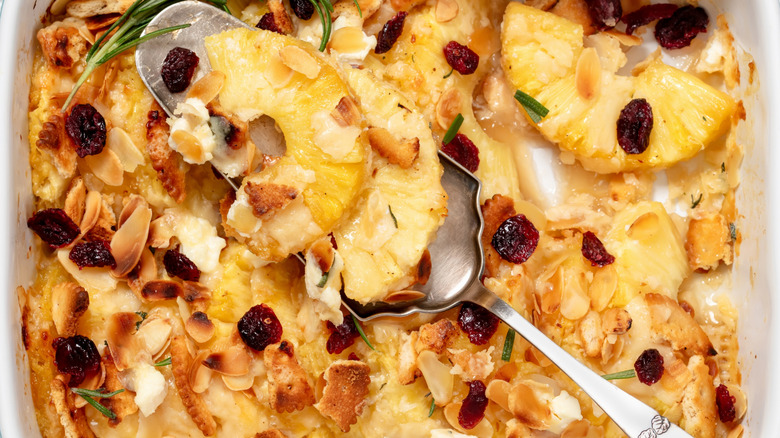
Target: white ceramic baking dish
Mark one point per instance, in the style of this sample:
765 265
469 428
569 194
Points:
756 281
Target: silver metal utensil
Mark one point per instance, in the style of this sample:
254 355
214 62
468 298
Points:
456 254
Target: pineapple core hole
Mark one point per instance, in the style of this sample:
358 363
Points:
267 136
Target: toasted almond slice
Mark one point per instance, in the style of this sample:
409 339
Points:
403 295
161 232
277 73
347 112
238 383
575 301
402 153
737 432
483 429
448 106
740 400
345 391
624 39
232 362
208 87
323 253
130 240
348 39
437 376
199 327
159 290
498 392
155 335
76 199
300 60
189 146
591 334
199 374
616 321
424 267
107 167
125 348
525 404
144 272
122 145
602 287
93 205
194 291
588 74
446 10
69 301
91 279
193 403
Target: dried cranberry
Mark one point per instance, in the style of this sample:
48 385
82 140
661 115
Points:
259 327
605 14
353 356
634 126
54 227
390 33
473 408
516 239
462 59
94 254
77 357
593 250
179 265
341 337
646 15
725 401
178 68
649 366
87 128
464 151
682 27
303 9
267 22
477 322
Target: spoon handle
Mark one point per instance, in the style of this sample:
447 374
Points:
635 418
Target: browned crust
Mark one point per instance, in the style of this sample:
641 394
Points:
699 415
237 136
62 46
708 242
73 420
402 153
408 371
104 227
436 336
54 141
495 211
344 395
281 17
424 268
347 112
69 302
169 165
99 23
159 290
266 198
224 208
122 404
193 403
76 199
288 385
678 328
271 433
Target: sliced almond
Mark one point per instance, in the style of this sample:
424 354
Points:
93 204
424 267
238 383
91 279
277 73
588 74
347 112
498 392
527 405
446 10
347 39
232 362
199 327
194 291
119 142
437 376
144 272
125 348
402 153
199 375
644 227
130 240
68 302
483 429
624 39
448 107
616 321
403 295
129 204
160 290
189 146
107 167
300 60
323 253
161 232
155 335
602 287
575 301
208 87
76 199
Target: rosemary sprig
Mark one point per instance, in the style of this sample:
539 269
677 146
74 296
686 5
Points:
89 396
125 33
324 10
536 111
324 279
360 330
433 407
696 201
164 362
452 131
395 220
509 344
627 374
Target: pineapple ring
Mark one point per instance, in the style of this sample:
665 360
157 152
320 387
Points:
303 195
541 53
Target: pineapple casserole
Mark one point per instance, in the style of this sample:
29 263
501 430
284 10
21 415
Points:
169 304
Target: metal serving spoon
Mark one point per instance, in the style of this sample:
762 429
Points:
456 254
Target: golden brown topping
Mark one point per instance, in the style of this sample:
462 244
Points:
402 153
471 366
99 23
525 405
708 242
159 290
68 302
347 112
344 395
99 219
699 412
289 387
602 287
124 347
129 240
446 10
169 165
62 46
195 292
196 407
52 139
407 360
73 420
107 167
76 199
495 211
674 325
161 232
436 336
122 404
616 321
281 17
199 327
497 391
144 272
266 198
588 74
232 362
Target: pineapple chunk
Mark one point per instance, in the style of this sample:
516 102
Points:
289 81
400 209
540 55
649 252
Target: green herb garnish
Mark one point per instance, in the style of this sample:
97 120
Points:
360 330
143 316
324 10
452 131
695 202
509 343
449 74
536 111
722 167
323 279
89 396
627 374
395 221
433 407
164 362
733 231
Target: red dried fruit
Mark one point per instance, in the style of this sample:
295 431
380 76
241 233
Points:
464 151
341 337
725 401
390 33
259 327
86 127
303 9
649 366
682 27
473 408
179 265
594 251
267 22
462 59
516 239
353 356
605 14
77 357
477 322
54 227
634 126
646 15
94 254
178 68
